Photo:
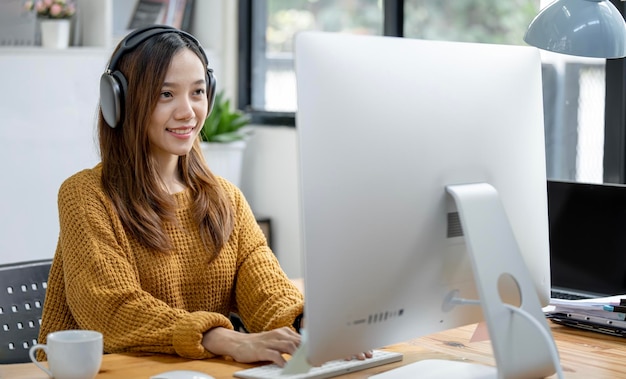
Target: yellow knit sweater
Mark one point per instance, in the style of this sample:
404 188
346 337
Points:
141 300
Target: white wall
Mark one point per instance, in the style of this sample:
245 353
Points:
215 26
47 106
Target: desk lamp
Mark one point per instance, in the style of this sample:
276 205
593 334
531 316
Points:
588 28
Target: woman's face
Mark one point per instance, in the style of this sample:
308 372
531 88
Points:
181 109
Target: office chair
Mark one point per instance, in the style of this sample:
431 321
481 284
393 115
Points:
22 291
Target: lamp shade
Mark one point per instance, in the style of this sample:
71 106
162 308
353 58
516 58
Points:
588 28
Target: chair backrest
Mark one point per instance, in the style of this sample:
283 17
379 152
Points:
22 291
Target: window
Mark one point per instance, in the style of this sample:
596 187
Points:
484 21
273 24
574 88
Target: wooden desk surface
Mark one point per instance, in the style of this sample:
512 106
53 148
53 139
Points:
583 355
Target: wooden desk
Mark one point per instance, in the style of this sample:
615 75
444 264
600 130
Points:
583 355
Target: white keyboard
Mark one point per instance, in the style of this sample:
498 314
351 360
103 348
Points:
327 370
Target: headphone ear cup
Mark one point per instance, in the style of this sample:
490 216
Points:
112 96
211 83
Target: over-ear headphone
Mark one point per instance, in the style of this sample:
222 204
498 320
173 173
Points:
113 84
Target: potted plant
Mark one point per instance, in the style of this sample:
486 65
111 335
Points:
54 21
223 139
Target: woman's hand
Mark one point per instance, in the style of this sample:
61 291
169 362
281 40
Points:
252 347
361 356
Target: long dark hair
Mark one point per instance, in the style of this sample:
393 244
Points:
129 174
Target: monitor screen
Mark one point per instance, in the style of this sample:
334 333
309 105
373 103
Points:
587 239
384 126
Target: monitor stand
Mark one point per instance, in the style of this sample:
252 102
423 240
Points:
520 346
520 336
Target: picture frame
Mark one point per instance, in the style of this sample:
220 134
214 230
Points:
265 224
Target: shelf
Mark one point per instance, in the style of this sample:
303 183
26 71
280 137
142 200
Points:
38 50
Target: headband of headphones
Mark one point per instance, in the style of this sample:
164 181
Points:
113 84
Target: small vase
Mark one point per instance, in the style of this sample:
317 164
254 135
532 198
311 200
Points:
55 33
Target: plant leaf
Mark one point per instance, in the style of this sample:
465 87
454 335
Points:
224 123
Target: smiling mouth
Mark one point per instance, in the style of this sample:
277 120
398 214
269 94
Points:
180 131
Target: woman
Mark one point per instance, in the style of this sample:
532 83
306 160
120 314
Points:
154 250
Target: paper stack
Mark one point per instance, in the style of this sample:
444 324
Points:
604 315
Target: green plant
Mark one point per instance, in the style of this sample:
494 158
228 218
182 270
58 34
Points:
224 124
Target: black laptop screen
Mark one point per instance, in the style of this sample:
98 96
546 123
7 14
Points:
588 237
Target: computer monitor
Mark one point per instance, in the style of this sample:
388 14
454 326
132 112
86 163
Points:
386 128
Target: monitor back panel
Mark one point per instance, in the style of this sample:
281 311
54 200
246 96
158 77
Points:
384 125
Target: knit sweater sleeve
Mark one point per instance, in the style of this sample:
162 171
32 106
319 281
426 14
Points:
95 283
266 298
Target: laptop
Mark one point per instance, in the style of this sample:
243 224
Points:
587 239
578 321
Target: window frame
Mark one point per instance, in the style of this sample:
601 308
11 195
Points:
614 165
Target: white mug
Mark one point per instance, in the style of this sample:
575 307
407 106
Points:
72 354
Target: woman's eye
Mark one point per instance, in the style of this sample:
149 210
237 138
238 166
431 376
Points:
166 94
200 91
